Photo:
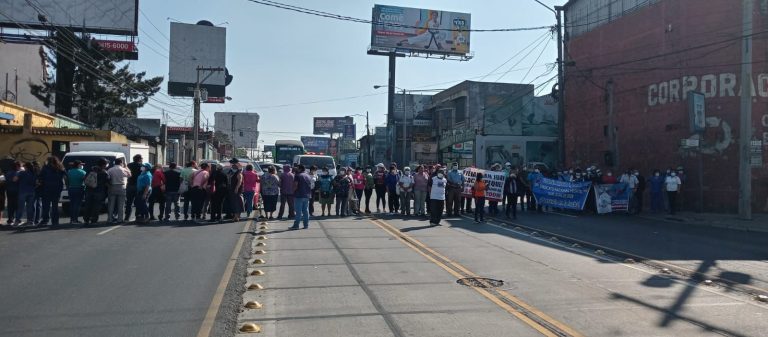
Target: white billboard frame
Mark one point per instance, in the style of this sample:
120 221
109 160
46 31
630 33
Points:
115 17
418 30
194 46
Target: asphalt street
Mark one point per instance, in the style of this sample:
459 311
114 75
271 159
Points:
394 276
153 280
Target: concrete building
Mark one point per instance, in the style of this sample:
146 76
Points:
241 127
634 68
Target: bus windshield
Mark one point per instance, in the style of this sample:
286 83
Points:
284 153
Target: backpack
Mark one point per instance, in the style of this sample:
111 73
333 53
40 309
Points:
91 180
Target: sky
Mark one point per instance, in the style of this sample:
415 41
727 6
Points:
290 67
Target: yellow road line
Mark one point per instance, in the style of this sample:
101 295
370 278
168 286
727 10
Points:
213 309
413 243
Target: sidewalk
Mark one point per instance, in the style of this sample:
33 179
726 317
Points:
759 222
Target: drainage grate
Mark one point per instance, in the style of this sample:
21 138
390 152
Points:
480 282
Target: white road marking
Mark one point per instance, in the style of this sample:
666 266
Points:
109 230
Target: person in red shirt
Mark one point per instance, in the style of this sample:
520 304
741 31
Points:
158 193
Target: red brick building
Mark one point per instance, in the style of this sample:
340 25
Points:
630 67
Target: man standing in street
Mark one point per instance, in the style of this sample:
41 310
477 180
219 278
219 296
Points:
672 185
96 194
302 191
130 189
286 192
172 184
118 180
511 192
76 190
437 197
454 190
639 192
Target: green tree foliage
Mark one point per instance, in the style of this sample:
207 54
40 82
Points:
91 84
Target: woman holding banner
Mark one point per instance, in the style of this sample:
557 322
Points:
478 191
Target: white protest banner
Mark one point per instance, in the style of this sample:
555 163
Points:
494 182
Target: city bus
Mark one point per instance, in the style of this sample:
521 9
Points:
285 150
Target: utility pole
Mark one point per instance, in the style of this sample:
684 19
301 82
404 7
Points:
368 135
234 148
560 86
745 125
196 126
405 121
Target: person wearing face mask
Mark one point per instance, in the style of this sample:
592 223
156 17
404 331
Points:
453 191
512 192
405 185
369 186
358 182
391 180
437 184
533 178
657 189
341 186
631 180
379 182
420 190
95 195
143 191
608 178
672 185
639 191
325 182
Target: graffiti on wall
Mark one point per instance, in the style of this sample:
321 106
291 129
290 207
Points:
712 85
29 150
717 137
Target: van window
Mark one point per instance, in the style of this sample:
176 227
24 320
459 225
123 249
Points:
88 161
318 162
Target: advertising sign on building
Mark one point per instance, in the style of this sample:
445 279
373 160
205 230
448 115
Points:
116 17
696 112
350 132
315 144
420 30
329 125
194 46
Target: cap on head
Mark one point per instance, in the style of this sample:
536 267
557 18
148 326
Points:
234 161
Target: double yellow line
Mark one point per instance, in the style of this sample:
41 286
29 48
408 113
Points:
531 316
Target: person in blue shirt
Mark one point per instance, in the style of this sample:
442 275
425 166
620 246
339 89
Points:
27 180
52 183
391 180
533 177
12 191
657 191
76 190
454 190
143 189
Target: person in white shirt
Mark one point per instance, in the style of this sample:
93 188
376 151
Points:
405 186
437 197
118 179
672 185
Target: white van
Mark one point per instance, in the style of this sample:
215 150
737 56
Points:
318 161
88 158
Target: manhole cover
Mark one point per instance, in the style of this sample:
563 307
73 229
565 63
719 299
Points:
480 282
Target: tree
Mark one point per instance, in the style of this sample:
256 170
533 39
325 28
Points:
90 85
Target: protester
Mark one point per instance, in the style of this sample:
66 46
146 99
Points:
313 188
369 186
270 192
130 190
96 189
38 198
250 180
391 180
116 192
143 192
672 185
341 189
454 190
286 192
186 183
171 193
358 183
303 193
220 186
631 180
75 191
199 190
52 183
639 190
527 191
437 197
353 203
420 190
12 192
405 186
26 180
533 178
493 205
512 188
325 182
478 191
381 187
235 191
608 178
657 189
157 196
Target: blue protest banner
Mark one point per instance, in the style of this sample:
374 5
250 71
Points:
612 197
561 194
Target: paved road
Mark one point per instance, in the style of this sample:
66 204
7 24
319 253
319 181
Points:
397 277
156 280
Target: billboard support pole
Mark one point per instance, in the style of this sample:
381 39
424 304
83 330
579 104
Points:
368 138
196 126
391 98
745 127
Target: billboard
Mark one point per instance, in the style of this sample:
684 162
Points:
420 30
195 46
328 125
315 144
117 17
350 132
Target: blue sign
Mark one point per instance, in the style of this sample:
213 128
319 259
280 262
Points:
316 144
612 197
561 194
350 132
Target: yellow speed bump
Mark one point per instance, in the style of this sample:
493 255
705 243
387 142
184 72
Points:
264 223
250 327
259 261
260 244
263 227
255 286
261 237
262 232
253 305
257 273
260 252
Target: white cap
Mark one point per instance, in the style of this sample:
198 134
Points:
508 164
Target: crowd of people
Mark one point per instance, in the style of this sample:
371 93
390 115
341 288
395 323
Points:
214 193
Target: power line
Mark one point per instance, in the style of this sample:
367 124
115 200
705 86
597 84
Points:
358 20
521 60
537 60
514 56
